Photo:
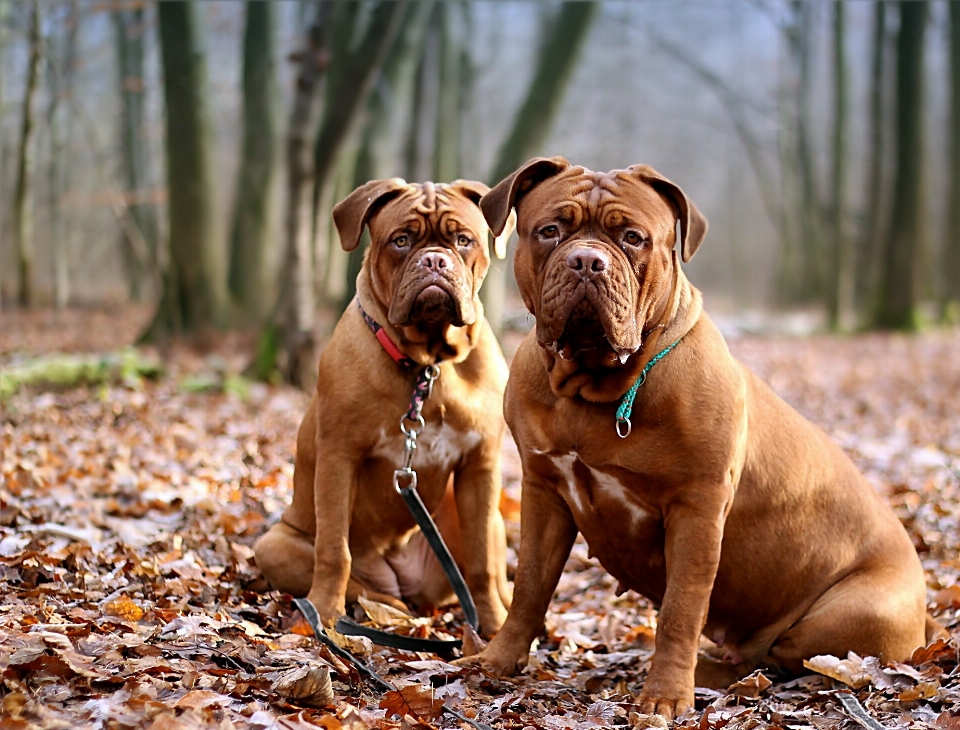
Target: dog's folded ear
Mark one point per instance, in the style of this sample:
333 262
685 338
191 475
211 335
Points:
497 204
693 224
352 213
474 191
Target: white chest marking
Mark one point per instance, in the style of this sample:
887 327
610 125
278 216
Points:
612 487
438 447
564 464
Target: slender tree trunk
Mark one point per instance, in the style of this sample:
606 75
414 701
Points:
129 29
194 292
869 250
900 282
253 219
22 214
353 67
288 340
411 145
446 154
3 47
951 247
352 74
812 253
558 58
839 291
60 75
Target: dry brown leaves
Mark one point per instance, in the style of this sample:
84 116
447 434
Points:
127 517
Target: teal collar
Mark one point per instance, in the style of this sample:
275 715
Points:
626 402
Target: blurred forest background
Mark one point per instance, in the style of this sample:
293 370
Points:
185 156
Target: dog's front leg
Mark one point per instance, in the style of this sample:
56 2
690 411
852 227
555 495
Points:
547 532
692 551
477 489
334 490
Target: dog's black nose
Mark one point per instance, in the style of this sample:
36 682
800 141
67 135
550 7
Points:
588 261
435 261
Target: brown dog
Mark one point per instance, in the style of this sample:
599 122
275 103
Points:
348 532
722 505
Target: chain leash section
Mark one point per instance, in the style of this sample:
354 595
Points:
411 425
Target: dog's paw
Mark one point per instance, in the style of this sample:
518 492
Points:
637 720
497 663
667 709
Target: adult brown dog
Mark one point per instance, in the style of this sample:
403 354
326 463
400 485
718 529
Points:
347 531
722 505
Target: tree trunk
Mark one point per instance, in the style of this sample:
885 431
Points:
22 213
253 219
60 77
353 67
352 74
380 112
3 46
193 288
128 26
871 246
287 342
900 282
446 153
558 57
951 247
812 252
839 291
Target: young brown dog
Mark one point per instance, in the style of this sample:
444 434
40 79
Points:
347 532
724 506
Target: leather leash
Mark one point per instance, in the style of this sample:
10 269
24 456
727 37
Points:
405 482
313 618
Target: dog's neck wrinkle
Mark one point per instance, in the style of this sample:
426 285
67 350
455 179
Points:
446 344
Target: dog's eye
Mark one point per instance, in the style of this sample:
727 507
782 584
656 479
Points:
549 231
400 241
633 238
464 241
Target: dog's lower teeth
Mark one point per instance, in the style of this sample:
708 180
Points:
623 356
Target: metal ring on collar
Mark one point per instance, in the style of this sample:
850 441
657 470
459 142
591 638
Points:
629 427
420 423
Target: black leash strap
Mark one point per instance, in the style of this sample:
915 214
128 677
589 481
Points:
429 529
350 627
313 618
405 482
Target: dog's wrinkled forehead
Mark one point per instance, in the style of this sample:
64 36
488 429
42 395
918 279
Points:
427 208
583 197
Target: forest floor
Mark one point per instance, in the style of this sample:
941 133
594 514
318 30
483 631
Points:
128 509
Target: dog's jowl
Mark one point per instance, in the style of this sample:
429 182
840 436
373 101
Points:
692 482
348 532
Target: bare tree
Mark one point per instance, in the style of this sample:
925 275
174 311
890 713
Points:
60 68
900 279
4 6
870 245
194 284
840 266
22 213
254 212
129 40
951 246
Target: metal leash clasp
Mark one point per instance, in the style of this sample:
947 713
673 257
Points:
412 431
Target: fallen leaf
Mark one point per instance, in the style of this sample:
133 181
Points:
381 613
750 687
123 607
309 686
849 671
415 700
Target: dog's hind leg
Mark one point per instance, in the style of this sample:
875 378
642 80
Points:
877 611
285 557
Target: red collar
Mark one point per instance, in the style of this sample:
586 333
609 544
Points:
381 334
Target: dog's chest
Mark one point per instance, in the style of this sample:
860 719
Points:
440 446
622 531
